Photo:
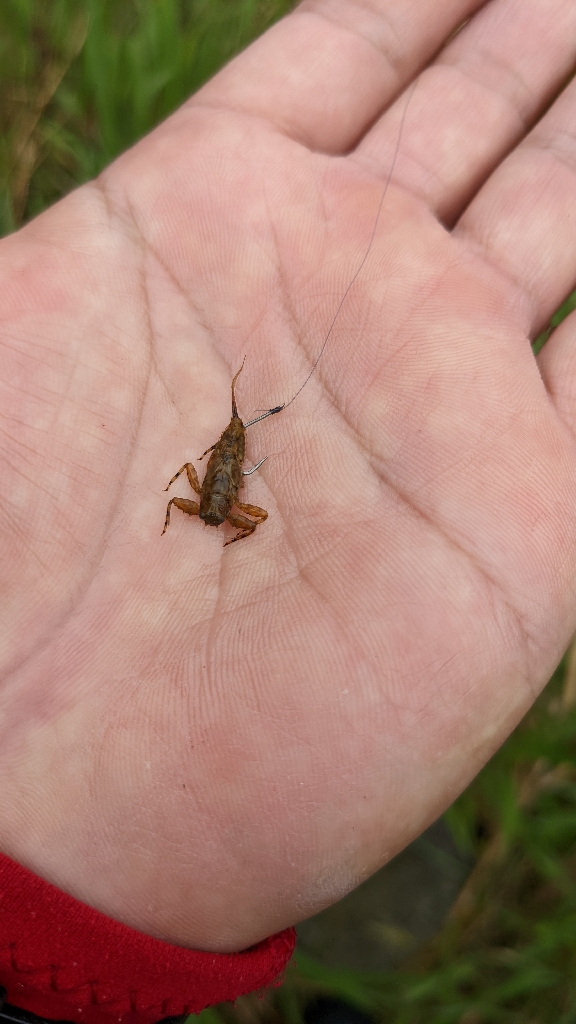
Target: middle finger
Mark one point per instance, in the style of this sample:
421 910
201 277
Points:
476 101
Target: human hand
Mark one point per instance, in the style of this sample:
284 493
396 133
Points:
207 743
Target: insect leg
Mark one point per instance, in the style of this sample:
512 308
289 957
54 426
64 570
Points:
259 513
246 526
191 474
211 449
267 412
191 508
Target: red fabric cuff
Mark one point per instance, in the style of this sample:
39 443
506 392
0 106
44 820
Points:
64 960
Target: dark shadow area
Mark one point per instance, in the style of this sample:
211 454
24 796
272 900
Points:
394 912
334 1011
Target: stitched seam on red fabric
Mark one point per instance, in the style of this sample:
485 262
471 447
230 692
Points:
53 972
27 970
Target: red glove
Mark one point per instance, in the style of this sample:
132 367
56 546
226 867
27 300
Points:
62 959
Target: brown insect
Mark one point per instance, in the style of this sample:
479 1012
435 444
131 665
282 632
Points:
223 480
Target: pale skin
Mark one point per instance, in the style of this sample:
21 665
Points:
212 743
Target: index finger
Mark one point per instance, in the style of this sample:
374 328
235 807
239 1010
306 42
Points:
325 72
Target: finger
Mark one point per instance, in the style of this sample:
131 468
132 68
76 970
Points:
324 73
524 218
477 99
557 362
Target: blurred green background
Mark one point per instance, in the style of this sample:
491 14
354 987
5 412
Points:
80 80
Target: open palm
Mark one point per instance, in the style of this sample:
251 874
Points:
210 743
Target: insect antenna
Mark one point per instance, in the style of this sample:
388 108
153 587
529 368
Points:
279 408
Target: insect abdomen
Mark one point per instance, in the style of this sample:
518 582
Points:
223 475
215 503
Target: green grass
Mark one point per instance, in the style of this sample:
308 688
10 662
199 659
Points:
80 80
